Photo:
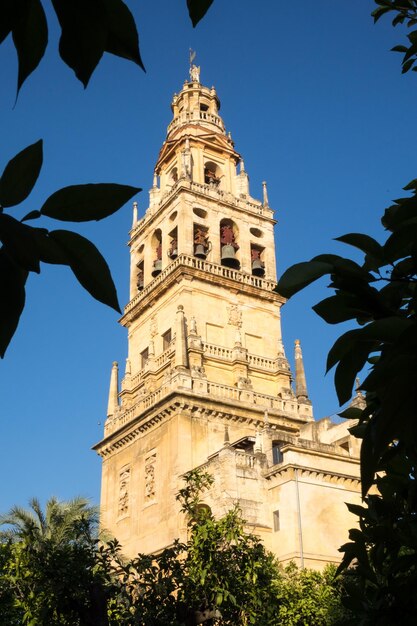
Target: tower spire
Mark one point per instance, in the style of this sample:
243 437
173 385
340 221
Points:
113 403
300 377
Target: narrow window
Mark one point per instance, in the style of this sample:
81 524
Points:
276 521
144 355
276 454
166 340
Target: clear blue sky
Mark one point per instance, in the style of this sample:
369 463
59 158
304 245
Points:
317 106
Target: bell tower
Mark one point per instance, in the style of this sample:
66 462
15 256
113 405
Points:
206 374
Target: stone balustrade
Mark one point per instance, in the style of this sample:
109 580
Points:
205 266
219 352
245 459
193 117
215 390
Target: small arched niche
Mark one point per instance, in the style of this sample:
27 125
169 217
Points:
257 260
157 252
212 174
173 244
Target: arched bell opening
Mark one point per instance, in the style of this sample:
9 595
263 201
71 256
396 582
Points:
228 244
140 275
173 244
173 176
257 263
212 174
157 252
202 245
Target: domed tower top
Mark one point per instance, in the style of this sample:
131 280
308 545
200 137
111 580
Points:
195 105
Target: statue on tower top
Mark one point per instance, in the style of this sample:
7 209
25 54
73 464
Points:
194 69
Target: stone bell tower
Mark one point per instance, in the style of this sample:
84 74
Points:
207 381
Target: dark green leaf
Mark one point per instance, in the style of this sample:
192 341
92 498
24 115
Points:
351 413
122 37
340 347
20 175
197 9
12 302
82 203
362 242
32 215
340 308
399 49
88 265
407 65
30 36
20 242
84 35
7 17
347 370
300 275
400 243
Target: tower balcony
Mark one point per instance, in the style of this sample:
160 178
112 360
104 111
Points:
205 269
278 408
196 117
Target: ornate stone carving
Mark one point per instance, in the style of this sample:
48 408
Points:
150 463
154 326
198 371
124 480
235 315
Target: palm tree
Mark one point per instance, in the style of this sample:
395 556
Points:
61 522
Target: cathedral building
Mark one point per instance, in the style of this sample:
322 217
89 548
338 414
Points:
207 383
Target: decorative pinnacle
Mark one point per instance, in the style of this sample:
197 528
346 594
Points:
300 377
265 194
113 404
135 214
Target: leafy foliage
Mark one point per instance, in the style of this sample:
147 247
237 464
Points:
309 597
379 588
24 247
53 570
387 333
405 13
379 563
88 30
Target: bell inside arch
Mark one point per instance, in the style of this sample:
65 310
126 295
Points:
229 257
258 267
200 251
157 267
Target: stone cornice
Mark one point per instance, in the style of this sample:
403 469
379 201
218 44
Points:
285 472
198 406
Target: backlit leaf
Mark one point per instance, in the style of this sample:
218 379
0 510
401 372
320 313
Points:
12 302
82 203
197 9
300 275
20 175
88 265
30 36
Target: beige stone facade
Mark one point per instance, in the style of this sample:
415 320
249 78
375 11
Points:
207 383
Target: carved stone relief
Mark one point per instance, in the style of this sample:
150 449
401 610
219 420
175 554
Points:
124 480
150 463
235 315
